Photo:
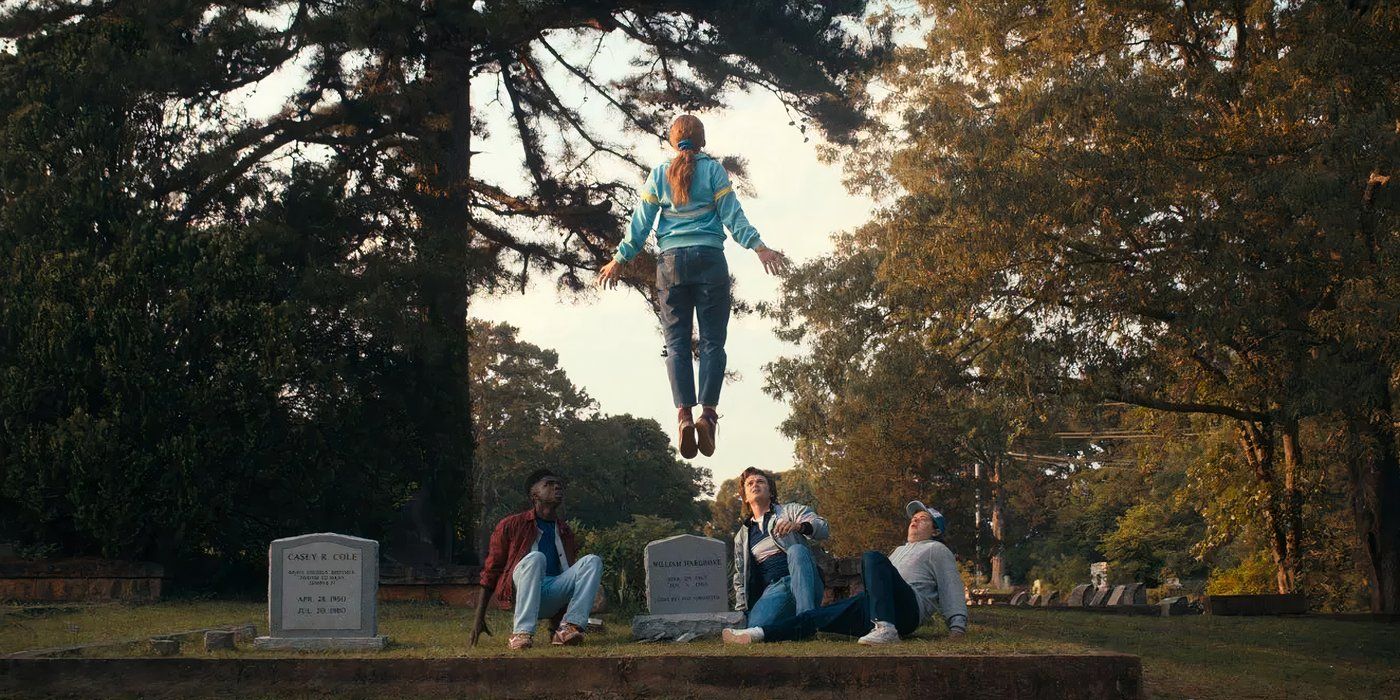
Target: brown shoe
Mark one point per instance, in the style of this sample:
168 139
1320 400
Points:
521 640
567 635
705 429
732 636
687 435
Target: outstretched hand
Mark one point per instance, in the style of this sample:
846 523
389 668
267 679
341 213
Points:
479 625
773 261
609 276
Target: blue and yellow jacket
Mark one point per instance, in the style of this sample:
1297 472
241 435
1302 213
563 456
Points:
713 206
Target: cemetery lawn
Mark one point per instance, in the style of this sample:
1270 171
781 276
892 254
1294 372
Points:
1184 657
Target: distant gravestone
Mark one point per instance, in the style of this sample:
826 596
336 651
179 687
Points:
219 640
1128 594
1176 605
1050 599
322 593
1137 594
1116 599
1036 588
1080 596
1100 597
1019 598
687 586
1098 574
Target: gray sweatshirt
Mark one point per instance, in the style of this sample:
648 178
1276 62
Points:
931 570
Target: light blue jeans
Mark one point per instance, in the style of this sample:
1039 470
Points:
538 595
799 591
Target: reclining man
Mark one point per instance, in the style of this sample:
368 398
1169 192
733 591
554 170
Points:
529 560
901 591
775 575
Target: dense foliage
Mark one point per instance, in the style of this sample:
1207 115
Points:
219 327
1183 207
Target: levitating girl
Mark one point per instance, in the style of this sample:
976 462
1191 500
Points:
695 201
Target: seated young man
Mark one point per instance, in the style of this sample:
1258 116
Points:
529 560
901 591
775 575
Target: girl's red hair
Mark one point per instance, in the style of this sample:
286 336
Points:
685 128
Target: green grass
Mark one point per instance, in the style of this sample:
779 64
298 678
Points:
1226 657
35 627
1185 657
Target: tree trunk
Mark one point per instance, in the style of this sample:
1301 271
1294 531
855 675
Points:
444 265
998 500
1257 443
1292 502
1374 468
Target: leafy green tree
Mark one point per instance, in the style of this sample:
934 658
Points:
621 466
128 162
529 416
1183 208
622 547
880 416
725 511
523 402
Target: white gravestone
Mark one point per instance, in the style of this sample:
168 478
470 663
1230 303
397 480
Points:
687 589
322 593
686 574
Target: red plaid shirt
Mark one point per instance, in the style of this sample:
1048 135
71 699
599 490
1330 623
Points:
513 538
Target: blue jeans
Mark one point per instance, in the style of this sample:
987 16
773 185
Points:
693 283
537 594
798 592
886 597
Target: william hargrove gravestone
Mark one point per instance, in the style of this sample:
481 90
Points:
322 593
687 589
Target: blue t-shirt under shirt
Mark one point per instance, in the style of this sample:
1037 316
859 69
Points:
552 565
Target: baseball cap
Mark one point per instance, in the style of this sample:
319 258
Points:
938 521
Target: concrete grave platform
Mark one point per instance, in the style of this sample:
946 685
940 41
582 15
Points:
949 677
701 625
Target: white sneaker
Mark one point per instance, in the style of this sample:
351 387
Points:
748 635
884 633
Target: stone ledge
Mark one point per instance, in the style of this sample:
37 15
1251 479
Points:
321 643
80 580
79 568
457 595
1268 604
951 677
422 575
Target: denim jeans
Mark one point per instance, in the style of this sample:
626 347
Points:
693 283
798 592
539 595
886 597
